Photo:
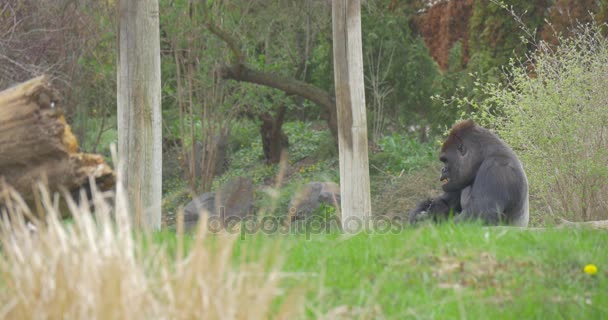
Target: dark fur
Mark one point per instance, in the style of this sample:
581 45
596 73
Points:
486 180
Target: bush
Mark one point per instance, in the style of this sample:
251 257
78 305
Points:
304 141
402 153
244 133
553 112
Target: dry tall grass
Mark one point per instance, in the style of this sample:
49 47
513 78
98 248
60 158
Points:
96 268
401 194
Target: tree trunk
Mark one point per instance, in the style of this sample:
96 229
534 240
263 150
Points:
241 72
274 140
139 113
37 145
352 123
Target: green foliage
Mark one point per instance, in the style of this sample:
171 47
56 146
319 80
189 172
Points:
243 134
498 32
246 154
248 161
304 141
455 57
553 113
496 35
402 153
308 158
325 212
101 141
405 65
95 96
321 64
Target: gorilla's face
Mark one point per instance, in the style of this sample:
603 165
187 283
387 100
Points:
458 167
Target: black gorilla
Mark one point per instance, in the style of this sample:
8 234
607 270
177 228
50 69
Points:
482 179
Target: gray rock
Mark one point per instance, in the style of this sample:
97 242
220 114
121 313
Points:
205 201
310 197
330 194
202 204
235 198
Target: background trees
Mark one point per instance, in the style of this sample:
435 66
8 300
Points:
245 80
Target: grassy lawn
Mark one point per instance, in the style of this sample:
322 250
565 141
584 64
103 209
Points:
429 272
447 272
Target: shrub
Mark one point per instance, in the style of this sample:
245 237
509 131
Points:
304 141
402 153
554 113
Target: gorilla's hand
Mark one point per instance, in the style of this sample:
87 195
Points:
421 212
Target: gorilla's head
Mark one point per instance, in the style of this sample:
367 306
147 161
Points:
460 157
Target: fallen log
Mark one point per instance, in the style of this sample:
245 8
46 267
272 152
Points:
37 145
600 224
563 223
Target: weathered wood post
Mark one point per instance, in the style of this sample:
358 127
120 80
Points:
352 123
139 113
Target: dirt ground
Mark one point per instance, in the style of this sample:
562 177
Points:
397 195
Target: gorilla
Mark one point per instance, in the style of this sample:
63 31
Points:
482 180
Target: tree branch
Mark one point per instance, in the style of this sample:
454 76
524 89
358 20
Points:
288 85
232 43
239 71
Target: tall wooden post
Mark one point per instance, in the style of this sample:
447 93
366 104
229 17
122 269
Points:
352 123
139 113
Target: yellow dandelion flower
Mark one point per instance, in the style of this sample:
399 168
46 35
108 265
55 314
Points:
590 269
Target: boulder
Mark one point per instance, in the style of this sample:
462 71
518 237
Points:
233 199
310 197
330 194
202 203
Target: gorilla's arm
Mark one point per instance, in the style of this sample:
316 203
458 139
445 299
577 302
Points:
438 208
495 191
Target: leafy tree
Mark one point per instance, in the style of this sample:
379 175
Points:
496 35
407 69
254 62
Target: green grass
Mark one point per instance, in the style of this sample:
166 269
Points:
445 272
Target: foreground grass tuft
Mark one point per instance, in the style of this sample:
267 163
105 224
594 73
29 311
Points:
97 269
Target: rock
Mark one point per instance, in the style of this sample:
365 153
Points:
202 203
205 201
235 198
330 194
310 197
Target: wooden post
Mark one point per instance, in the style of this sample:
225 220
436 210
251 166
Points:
139 113
352 123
